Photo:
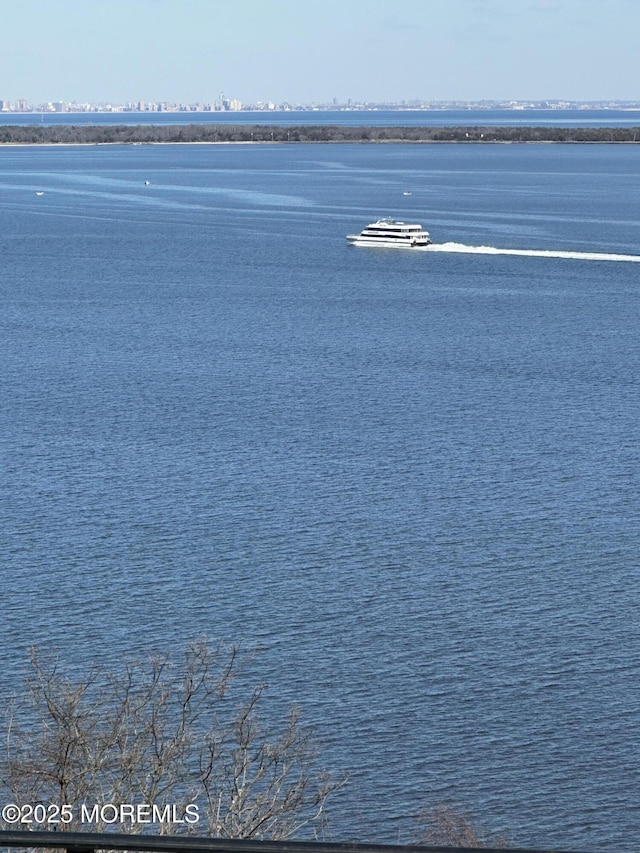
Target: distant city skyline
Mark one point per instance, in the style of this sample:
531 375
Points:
285 51
234 105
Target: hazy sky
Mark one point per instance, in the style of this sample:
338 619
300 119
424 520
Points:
305 50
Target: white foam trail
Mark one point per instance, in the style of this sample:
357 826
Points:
530 253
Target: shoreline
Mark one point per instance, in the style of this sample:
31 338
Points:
66 135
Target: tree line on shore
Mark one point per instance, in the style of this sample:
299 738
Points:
210 133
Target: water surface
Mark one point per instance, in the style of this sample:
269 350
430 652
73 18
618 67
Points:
413 476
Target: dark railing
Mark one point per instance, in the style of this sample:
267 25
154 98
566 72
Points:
90 842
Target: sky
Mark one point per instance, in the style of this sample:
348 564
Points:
305 51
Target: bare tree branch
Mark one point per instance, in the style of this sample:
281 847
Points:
162 734
445 825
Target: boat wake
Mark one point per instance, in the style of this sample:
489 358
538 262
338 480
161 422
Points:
530 253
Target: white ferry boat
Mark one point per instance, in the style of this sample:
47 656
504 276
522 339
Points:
391 233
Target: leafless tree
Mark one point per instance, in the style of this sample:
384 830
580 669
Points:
167 735
444 825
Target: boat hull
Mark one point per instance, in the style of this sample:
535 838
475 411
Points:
357 240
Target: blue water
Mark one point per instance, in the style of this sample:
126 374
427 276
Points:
352 118
412 476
